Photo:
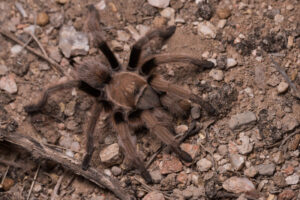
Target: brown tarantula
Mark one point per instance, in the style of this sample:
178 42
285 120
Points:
135 96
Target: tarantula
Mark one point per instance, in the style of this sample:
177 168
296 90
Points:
135 96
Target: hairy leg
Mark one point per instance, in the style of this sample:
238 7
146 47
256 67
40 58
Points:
92 26
136 51
158 83
150 62
128 145
42 101
90 133
163 133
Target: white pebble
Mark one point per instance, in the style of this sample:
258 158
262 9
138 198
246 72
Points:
159 3
168 13
231 62
207 29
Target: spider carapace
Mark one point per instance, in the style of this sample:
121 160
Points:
136 97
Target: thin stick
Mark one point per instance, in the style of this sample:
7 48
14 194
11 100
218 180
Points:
55 65
5 174
33 182
286 77
287 138
38 42
57 186
41 151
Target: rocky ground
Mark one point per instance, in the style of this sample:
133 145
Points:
249 151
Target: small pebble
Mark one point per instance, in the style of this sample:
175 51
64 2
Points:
122 36
195 112
8 84
156 176
16 49
237 161
3 69
159 21
107 172
73 43
282 87
278 19
37 188
250 172
266 169
223 13
290 7
241 121
101 5
116 171
221 24
181 129
111 154
216 74
231 62
238 185
170 164
286 194
168 13
191 149
246 146
154 195
7 184
290 42
42 19
207 29
292 180
159 3
204 165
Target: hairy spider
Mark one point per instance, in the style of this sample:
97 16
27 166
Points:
135 96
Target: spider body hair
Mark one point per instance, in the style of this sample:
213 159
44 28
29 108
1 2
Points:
136 98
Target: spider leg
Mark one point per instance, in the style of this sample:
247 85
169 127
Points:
90 133
150 62
93 27
128 145
163 133
136 51
158 83
42 101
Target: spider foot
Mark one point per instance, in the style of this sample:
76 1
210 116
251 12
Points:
182 154
147 177
31 108
169 31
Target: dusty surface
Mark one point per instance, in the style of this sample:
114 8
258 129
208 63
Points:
243 144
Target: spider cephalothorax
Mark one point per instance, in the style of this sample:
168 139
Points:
135 96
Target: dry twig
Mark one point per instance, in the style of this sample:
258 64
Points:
41 151
5 174
287 138
57 186
33 181
56 66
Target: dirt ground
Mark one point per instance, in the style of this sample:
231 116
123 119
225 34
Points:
250 150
